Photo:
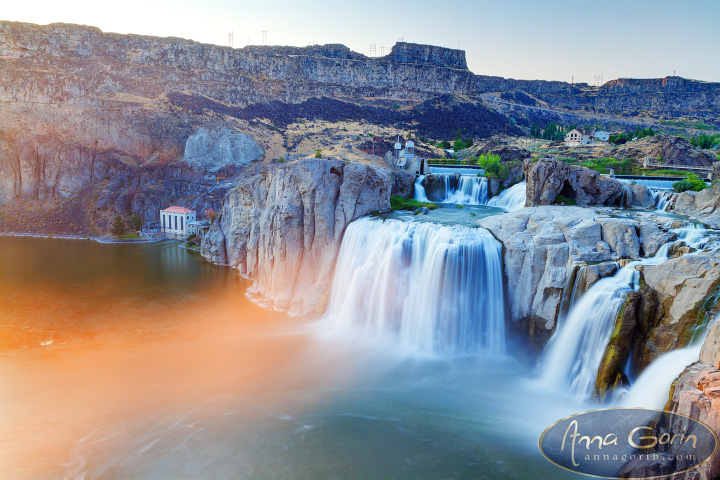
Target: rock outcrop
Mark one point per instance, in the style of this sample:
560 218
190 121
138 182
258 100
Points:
703 206
695 394
671 149
548 178
682 286
212 151
543 245
282 226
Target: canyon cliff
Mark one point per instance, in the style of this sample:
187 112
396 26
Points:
283 225
96 124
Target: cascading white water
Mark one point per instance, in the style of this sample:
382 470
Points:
466 190
510 199
420 190
651 388
462 189
662 198
473 190
429 288
575 351
454 170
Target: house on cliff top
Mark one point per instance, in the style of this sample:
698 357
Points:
578 136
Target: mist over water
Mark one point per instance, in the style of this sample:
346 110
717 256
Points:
162 368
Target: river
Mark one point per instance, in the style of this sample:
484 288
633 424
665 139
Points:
161 368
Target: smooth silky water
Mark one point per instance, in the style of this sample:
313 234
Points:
161 368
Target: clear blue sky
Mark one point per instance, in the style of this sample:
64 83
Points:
527 39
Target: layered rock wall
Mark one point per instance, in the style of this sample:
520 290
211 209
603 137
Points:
283 226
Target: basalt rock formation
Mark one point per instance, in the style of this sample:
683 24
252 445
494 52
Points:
282 226
694 394
703 206
85 113
548 178
543 245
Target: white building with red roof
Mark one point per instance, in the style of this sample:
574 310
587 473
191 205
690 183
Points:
174 221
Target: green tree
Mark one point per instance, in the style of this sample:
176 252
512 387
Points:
458 134
458 145
136 222
503 172
119 227
692 182
318 153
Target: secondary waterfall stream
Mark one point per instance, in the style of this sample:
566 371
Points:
429 288
466 189
574 353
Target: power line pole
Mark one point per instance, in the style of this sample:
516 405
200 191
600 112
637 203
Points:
373 50
230 39
264 37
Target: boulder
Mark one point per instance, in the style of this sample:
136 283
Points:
548 178
710 351
682 286
702 205
639 196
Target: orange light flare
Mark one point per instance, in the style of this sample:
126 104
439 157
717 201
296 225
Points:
213 354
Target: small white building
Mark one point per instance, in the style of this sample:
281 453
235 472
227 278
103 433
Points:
578 136
602 135
174 221
198 228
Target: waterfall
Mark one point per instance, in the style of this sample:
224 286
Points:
420 190
460 189
662 198
472 190
425 287
468 190
575 351
510 199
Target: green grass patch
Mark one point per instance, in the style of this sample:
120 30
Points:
399 203
130 235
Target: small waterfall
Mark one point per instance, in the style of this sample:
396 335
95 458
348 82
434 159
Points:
575 351
510 199
468 190
420 190
662 198
473 190
651 388
460 189
426 287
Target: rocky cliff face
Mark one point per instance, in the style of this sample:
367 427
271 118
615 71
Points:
282 226
694 394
